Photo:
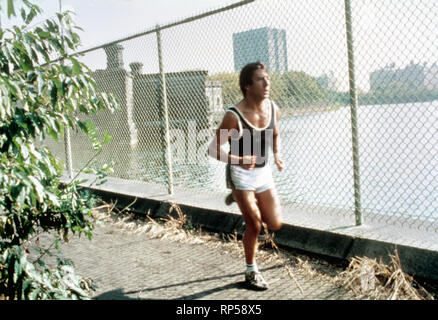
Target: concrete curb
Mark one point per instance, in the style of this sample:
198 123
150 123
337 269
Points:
415 261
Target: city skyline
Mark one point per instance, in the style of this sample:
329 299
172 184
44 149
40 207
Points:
415 75
315 33
267 45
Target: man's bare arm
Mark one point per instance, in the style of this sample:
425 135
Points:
276 142
227 128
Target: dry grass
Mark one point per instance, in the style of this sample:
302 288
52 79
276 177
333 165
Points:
179 229
172 229
364 277
370 279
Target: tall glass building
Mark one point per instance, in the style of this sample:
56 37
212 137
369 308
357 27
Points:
267 45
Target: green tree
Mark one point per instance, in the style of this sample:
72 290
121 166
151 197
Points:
231 92
39 99
291 89
302 90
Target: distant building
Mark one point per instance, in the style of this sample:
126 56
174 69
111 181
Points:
213 91
328 81
383 77
431 77
194 103
116 80
413 75
190 97
267 45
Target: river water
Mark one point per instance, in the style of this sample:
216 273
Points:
398 157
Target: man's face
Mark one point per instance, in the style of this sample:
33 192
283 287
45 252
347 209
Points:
261 84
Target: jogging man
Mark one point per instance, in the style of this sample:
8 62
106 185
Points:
251 129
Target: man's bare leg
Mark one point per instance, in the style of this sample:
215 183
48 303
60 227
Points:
247 203
270 209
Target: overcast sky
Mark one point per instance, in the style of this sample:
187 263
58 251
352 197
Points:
107 20
385 32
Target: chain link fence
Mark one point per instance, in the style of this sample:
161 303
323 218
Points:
356 81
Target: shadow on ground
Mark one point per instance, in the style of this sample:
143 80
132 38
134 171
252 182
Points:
119 294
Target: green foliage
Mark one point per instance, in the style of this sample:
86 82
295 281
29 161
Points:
35 279
301 90
39 99
291 89
230 87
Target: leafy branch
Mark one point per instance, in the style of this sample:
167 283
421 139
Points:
43 90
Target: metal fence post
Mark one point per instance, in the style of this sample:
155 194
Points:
164 114
67 146
353 106
67 140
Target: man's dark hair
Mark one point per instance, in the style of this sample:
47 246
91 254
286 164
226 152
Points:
246 74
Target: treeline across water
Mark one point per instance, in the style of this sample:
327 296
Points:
299 90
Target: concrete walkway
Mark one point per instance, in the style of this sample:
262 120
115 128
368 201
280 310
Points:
127 266
322 231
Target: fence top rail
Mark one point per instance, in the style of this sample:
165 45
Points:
167 26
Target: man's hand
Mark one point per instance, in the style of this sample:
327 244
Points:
278 162
248 162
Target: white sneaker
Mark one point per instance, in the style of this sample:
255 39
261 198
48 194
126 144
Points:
255 281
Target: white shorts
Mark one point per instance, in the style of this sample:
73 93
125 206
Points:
256 179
